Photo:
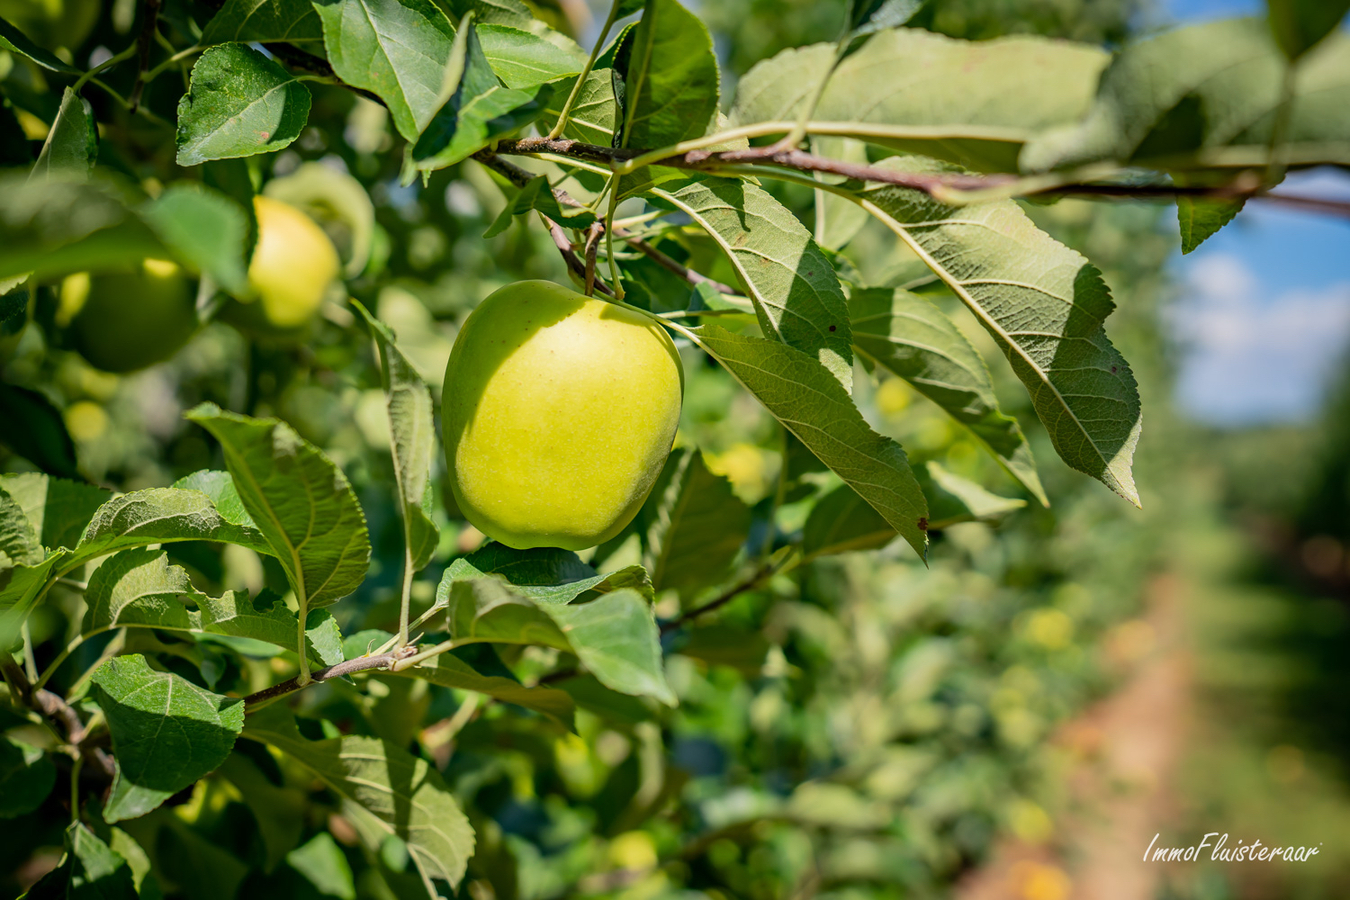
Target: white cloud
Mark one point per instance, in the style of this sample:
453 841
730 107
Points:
1250 357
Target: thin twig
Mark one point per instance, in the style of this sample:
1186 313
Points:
347 667
754 580
149 28
569 254
592 245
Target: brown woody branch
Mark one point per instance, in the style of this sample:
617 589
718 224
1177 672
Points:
754 580
346 667
59 713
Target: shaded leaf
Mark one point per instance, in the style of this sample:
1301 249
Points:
1045 306
58 510
452 671
870 16
537 194
522 59
166 733
301 503
204 229
387 788
953 499
1208 93
841 522
16 41
397 49
278 810
811 404
38 431
26 778
797 295
262 21
912 338
973 103
594 112
412 430
1299 25
239 103
72 142
671 80
480 110
163 515
90 870
694 525
543 574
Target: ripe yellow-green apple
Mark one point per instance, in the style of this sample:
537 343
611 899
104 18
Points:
293 265
128 320
559 411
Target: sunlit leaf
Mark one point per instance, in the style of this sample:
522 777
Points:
239 103
670 79
72 143
289 21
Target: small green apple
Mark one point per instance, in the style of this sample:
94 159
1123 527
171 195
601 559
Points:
124 321
559 411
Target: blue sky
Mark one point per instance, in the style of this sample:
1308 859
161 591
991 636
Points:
1263 313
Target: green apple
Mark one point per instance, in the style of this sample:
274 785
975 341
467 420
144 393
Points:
559 411
124 321
293 265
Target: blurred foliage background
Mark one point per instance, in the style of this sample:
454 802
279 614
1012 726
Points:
864 726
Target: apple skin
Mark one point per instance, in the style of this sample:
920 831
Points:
125 321
558 412
292 267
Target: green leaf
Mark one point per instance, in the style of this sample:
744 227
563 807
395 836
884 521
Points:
72 143
16 41
412 430
953 499
1044 305
841 522
522 59
299 500
797 295
480 110
19 545
397 49
871 16
20 588
59 225
39 432
1208 94
263 21
204 229
388 788
537 194
163 515
239 103
811 404
324 866
219 486
914 339
837 220
90 870
166 733
1200 219
594 112
58 510
27 776
278 810
543 574
973 103
1299 25
614 636
140 588
671 81
449 670
694 525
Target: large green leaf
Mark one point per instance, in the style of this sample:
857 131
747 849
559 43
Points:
810 403
72 142
163 515
26 778
694 524
481 109
396 48
911 337
974 103
289 21
522 59
670 80
166 733
279 810
58 510
90 870
387 788
1208 94
204 229
953 500
19 544
614 636
412 438
299 500
594 111
1045 305
140 588
20 588
797 295
543 574
239 103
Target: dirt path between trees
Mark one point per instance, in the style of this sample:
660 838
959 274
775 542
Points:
1122 755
